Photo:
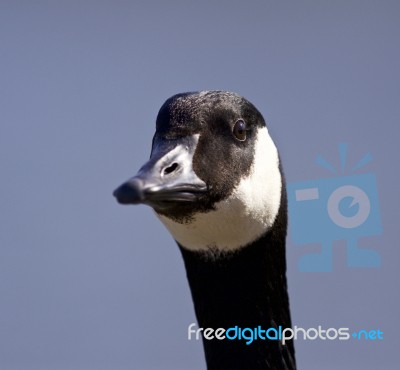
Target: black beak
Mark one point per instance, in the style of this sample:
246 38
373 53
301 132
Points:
130 192
167 178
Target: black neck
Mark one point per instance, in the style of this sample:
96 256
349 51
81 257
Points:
246 289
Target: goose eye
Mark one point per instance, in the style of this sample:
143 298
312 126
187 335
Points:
239 130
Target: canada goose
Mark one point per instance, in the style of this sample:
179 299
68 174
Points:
215 181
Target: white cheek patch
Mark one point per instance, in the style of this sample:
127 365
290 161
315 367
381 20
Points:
245 215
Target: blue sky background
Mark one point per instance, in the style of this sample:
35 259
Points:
87 284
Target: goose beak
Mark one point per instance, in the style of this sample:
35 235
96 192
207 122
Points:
167 178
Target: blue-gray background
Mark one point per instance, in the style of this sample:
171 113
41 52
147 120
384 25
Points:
87 284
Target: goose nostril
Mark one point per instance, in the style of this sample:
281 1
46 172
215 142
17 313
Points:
170 169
